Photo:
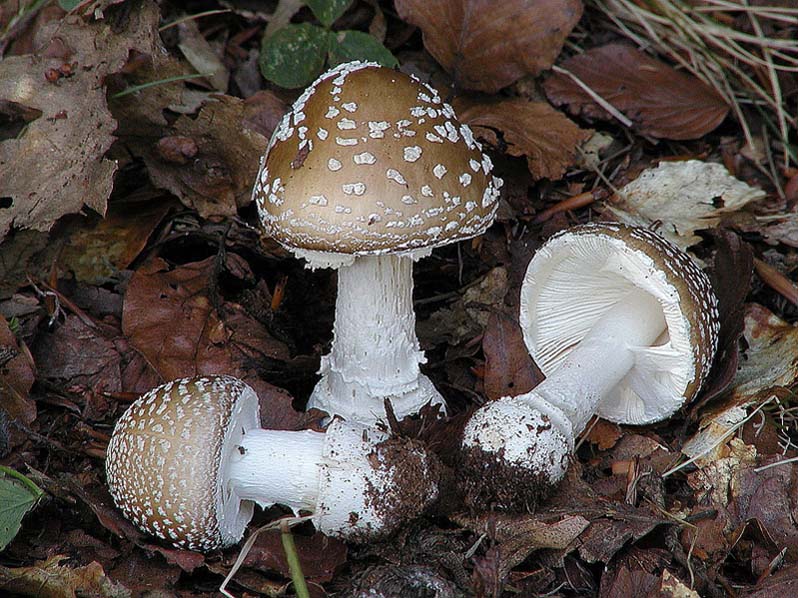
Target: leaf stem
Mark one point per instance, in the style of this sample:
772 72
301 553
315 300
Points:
24 480
294 566
136 88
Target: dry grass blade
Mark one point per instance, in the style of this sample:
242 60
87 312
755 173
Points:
742 66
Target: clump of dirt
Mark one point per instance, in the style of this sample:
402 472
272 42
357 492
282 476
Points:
489 481
415 474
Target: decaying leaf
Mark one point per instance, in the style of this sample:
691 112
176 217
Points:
489 45
545 136
320 556
469 315
684 196
16 377
520 536
217 180
770 363
771 360
659 100
56 165
79 354
509 370
52 579
172 319
731 281
96 254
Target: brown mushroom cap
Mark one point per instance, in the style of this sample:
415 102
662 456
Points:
371 161
166 461
568 287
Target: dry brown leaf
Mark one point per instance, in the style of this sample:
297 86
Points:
509 370
170 318
604 434
77 354
489 45
51 579
684 197
16 377
547 138
97 253
518 536
659 100
56 165
217 180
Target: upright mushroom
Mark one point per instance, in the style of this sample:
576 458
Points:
369 171
623 324
188 461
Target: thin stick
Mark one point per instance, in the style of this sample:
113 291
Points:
720 440
199 15
594 96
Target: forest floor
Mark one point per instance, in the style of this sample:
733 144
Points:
131 254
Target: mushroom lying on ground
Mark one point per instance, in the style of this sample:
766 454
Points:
188 461
623 324
369 171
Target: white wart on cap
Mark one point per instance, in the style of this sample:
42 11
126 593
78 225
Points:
623 324
369 171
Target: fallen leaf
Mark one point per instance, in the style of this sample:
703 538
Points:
56 166
217 180
771 360
659 100
202 56
24 253
672 587
768 496
509 370
468 316
51 579
489 45
604 434
782 583
170 318
519 536
684 196
545 136
319 555
97 253
714 478
16 377
608 534
731 281
75 353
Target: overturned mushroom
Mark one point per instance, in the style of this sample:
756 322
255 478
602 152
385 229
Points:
623 324
188 461
369 171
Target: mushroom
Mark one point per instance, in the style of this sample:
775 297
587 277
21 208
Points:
623 324
188 461
368 172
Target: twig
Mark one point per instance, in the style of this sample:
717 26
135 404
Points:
594 96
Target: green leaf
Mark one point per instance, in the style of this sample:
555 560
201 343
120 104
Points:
328 11
18 495
294 55
69 5
356 45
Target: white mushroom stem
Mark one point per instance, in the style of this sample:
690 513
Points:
278 467
601 360
375 352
